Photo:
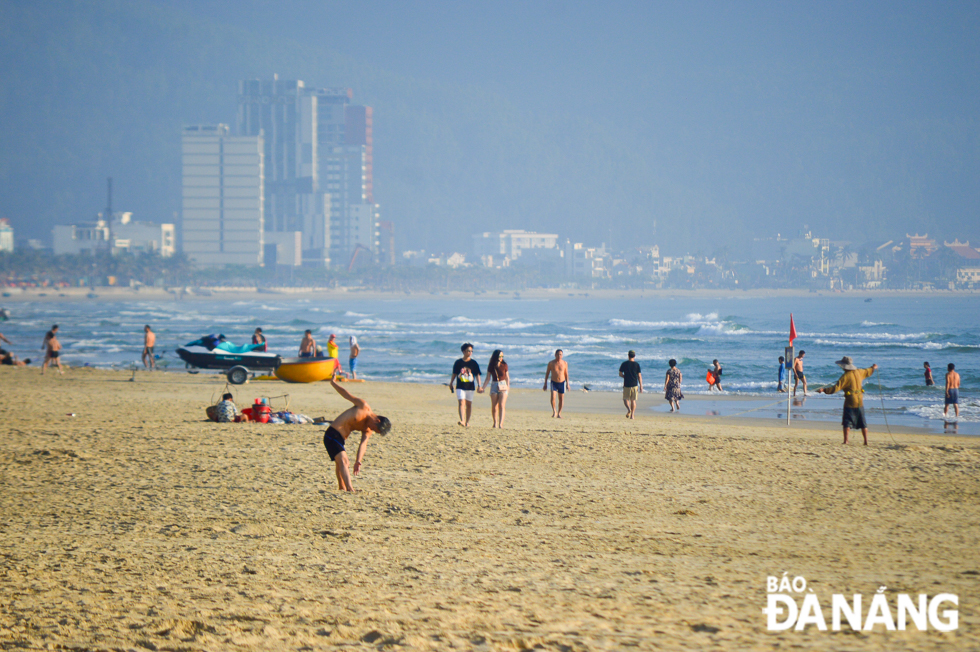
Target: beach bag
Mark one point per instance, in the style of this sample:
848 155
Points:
502 386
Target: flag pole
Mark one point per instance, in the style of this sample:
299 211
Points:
789 358
789 398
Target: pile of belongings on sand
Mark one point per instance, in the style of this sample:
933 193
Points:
226 412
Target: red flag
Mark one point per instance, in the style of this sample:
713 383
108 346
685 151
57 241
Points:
792 329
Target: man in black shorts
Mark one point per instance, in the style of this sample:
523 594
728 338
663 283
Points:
798 375
52 350
850 384
359 417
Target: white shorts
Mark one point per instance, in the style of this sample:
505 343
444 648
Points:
465 394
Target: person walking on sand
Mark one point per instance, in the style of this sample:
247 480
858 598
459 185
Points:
149 341
952 390
850 384
782 374
355 351
467 371
798 375
498 375
52 350
558 372
258 337
359 417
629 371
672 386
716 373
929 379
307 348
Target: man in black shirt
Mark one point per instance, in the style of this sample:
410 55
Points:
467 370
629 371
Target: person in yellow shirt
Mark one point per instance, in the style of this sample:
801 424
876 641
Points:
332 349
850 384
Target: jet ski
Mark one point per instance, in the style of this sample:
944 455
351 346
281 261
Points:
216 352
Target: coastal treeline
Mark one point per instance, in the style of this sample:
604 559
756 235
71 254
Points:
38 268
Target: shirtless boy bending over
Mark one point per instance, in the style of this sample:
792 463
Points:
360 417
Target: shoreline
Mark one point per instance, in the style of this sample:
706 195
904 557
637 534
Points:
595 403
18 295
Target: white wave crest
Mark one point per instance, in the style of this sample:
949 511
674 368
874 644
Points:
969 411
925 346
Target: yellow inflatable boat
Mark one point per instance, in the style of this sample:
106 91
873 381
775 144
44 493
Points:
306 370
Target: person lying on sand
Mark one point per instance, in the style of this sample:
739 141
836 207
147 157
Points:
360 417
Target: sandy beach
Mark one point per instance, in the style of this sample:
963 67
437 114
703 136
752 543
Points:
136 524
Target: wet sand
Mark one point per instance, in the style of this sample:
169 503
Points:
138 525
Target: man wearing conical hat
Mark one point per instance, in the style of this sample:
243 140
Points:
850 384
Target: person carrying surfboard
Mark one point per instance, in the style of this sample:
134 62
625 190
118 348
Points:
359 417
714 376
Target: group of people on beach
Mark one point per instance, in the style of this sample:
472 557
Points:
465 384
50 345
308 349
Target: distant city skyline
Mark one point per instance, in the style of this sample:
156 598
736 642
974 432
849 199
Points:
697 124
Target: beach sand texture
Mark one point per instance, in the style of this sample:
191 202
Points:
138 525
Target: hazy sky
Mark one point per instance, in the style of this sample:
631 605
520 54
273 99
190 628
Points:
752 103
718 120
648 63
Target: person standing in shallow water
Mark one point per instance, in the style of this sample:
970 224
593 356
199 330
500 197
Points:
307 347
716 372
952 390
149 341
52 348
798 375
258 337
355 350
672 386
929 379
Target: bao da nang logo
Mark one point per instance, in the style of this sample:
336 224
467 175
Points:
791 605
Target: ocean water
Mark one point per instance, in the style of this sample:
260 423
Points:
416 339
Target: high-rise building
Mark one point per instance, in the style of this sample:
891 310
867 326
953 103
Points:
350 167
223 196
323 183
6 235
286 114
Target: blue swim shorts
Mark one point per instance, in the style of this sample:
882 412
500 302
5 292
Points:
352 364
558 387
333 441
953 397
